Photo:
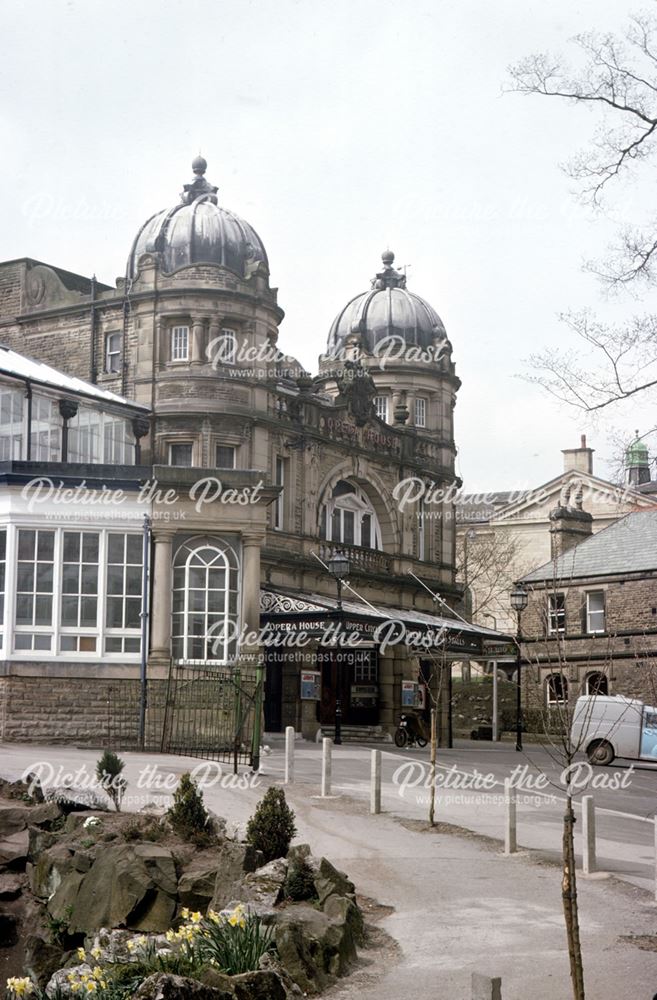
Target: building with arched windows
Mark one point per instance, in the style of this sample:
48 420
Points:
252 474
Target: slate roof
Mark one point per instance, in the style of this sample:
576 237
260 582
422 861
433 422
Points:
627 546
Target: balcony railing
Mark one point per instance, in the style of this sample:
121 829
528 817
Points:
367 560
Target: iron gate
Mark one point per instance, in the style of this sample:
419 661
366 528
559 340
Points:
200 710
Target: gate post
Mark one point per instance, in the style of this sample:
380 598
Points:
289 755
255 746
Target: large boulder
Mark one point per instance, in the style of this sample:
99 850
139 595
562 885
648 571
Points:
230 863
329 880
127 885
263 888
166 987
263 984
15 816
196 887
13 850
42 958
50 867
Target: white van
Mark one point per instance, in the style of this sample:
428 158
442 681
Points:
605 727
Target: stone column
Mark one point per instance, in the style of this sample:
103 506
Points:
410 402
198 345
161 595
213 348
251 543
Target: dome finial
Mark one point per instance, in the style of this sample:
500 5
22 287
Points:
200 187
199 165
389 277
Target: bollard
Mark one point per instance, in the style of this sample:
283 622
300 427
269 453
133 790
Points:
655 821
326 766
289 755
375 783
510 841
589 861
485 988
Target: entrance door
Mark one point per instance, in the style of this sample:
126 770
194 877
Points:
273 693
335 678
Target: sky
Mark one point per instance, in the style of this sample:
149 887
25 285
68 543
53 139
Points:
337 130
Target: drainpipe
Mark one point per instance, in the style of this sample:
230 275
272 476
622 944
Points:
143 692
28 391
93 371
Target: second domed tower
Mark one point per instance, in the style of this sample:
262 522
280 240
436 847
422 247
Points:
402 343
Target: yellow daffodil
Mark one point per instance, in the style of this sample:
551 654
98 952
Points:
81 953
96 952
20 986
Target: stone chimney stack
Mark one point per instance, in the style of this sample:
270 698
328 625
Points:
570 525
578 459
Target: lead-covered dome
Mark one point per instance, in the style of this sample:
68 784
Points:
387 310
198 231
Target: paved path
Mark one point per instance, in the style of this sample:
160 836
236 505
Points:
457 904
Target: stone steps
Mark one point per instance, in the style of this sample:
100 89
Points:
357 734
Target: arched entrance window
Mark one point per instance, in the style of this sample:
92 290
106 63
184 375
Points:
349 517
596 683
205 621
556 689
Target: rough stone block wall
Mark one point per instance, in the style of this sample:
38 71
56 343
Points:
10 290
80 711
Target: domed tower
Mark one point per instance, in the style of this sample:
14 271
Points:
402 342
637 463
199 231
202 326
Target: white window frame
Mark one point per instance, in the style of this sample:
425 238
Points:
177 444
15 436
180 342
55 631
556 614
113 356
420 411
229 353
45 430
382 408
226 558
549 691
357 503
593 616
589 678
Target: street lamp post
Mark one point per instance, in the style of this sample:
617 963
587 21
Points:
495 712
338 567
519 599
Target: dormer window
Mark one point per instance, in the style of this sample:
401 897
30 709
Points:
180 343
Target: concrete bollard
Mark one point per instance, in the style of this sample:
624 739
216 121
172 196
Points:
326 766
289 755
655 822
510 827
485 988
589 861
375 782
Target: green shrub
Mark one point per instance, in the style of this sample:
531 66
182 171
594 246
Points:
109 772
271 828
300 882
188 815
143 828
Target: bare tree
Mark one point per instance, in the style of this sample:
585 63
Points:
487 563
555 728
616 76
